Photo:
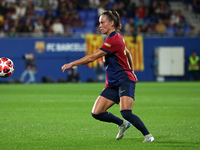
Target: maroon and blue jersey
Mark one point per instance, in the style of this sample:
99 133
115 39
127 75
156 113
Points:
116 62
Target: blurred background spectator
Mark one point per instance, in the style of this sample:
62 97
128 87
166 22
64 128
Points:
196 7
100 72
179 32
57 27
73 75
30 69
20 10
193 66
160 27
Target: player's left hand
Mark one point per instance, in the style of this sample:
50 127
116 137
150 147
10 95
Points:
135 76
66 66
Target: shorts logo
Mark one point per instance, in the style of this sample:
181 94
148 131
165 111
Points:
106 44
122 91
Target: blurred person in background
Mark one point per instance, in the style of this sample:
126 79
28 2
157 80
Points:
6 26
8 21
94 4
160 27
62 8
27 27
174 18
47 26
12 10
82 4
30 10
73 75
102 6
140 22
10 1
144 29
3 7
41 4
53 4
128 25
2 33
30 69
192 32
66 18
37 33
165 16
182 18
151 27
49 16
196 7
67 31
179 32
193 66
1 19
12 33
100 72
141 9
198 33
76 21
154 11
38 28
21 10
57 27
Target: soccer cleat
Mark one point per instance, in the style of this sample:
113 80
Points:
122 129
148 138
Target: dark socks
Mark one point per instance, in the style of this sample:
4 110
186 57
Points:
135 120
108 117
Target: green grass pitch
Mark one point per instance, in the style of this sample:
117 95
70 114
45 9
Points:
58 117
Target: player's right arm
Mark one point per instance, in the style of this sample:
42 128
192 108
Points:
85 60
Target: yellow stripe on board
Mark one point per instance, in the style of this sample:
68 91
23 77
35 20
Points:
93 42
135 46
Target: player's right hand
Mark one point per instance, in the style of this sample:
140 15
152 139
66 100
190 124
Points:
66 66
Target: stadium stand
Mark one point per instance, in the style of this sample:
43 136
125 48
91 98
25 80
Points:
175 14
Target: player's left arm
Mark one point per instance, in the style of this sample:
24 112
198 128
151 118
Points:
130 61
85 60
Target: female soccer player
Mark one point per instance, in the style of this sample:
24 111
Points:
120 78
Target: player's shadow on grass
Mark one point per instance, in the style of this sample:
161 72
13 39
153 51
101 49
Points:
177 144
159 140
168 143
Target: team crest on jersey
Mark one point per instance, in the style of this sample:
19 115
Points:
106 44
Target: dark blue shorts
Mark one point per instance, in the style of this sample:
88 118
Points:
114 93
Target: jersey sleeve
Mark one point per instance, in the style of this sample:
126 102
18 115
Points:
108 46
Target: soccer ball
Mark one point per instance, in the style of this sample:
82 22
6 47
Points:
7 67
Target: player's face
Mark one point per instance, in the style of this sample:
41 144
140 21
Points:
105 25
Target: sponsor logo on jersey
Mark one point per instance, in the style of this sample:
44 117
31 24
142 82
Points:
106 44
